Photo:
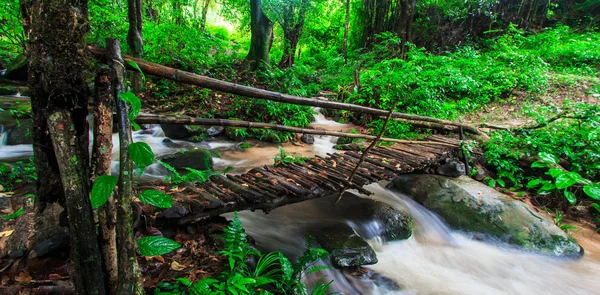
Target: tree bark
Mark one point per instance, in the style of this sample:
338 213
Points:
204 13
57 77
346 27
134 37
75 179
262 36
292 24
101 164
130 279
246 124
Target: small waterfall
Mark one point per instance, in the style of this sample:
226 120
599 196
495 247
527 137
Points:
3 136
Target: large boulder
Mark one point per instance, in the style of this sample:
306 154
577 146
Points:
470 206
308 138
20 134
197 158
345 247
176 131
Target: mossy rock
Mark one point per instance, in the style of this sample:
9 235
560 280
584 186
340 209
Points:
197 158
345 247
471 206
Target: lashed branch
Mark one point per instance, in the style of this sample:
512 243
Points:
219 85
245 124
366 151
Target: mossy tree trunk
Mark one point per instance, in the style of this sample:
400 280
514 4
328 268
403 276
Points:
58 67
262 36
134 37
292 24
101 165
130 279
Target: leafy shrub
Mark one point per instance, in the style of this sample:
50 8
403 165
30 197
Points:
273 271
12 174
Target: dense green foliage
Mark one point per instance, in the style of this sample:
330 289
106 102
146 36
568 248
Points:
273 272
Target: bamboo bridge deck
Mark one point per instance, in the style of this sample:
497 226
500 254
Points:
270 187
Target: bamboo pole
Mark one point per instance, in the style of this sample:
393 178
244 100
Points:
219 85
245 124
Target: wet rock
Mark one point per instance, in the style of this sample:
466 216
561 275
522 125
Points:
20 134
197 158
176 131
17 70
234 133
471 206
482 173
451 169
396 225
215 130
308 138
174 212
345 247
356 146
344 140
170 143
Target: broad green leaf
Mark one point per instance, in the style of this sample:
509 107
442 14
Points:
593 191
135 66
539 164
492 183
141 154
102 190
566 180
156 245
596 206
13 215
501 182
134 102
535 183
548 158
570 197
546 188
156 199
555 172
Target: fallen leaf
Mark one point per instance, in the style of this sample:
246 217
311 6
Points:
6 233
176 266
23 277
159 258
55 276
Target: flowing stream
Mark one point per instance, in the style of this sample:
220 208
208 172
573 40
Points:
435 260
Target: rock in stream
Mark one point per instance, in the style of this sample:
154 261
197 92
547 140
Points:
471 206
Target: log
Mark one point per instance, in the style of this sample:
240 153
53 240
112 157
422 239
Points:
246 124
219 85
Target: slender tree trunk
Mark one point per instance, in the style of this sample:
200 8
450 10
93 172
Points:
262 36
346 27
57 79
204 13
291 39
101 164
130 279
134 37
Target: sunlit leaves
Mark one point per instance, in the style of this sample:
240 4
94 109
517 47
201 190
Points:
156 245
102 190
156 199
141 154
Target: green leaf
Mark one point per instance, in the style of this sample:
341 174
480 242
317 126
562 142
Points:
570 197
135 66
13 215
593 191
141 154
491 183
548 158
539 164
535 183
546 188
596 206
566 180
555 172
156 245
102 190
134 102
156 199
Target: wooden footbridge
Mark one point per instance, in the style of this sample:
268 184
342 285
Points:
267 188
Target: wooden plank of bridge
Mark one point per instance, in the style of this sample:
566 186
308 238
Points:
267 188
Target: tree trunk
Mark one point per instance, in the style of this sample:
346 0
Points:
130 279
291 38
101 164
262 36
57 79
134 37
346 27
204 13
292 24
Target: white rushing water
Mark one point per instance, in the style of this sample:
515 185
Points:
435 260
